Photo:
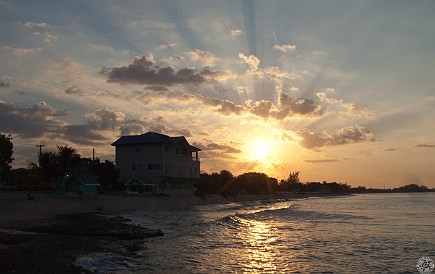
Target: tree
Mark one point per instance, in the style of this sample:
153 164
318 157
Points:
48 163
254 183
215 183
6 151
107 173
292 183
293 178
67 156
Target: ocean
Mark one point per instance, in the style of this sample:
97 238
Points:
367 233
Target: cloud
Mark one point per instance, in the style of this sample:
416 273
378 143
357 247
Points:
156 88
19 51
351 109
63 64
4 84
284 48
268 72
390 149
199 55
47 37
83 134
236 33
32 25
30 121
322 161
167 46
290 106
425 146
251 60
287 106
105 119
342 136
221 148
74 90
144 71
113 122
101 126
132 128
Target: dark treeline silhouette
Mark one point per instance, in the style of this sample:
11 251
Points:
225 183
52 165
6 151
403 189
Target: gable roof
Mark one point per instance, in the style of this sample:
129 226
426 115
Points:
154 138
84 175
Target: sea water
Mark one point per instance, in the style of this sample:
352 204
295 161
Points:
368 233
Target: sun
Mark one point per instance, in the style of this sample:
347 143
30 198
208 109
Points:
260 150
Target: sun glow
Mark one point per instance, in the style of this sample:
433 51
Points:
260 150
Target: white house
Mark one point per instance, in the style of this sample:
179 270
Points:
157 163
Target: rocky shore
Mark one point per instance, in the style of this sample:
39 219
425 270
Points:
53 245
48 234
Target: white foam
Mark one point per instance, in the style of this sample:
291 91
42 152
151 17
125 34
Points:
105 262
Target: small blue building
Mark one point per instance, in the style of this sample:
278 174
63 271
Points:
78 182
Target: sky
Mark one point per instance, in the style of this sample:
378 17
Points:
338 90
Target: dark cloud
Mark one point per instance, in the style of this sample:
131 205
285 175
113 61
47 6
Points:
287 106
221 148
144 71
39 120
4 84
223 106
390 149
29 121
179 132
425 146
132 128
73 90
290 106
342 136
156 88
114 123
84 134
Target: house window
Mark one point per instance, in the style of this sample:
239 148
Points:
133 167
153 166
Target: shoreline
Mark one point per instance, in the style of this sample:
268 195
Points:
48 234
17 210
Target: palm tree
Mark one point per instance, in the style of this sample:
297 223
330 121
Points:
67 156
48 163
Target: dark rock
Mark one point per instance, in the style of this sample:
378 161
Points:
58 242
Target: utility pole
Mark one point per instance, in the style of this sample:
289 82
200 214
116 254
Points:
40 148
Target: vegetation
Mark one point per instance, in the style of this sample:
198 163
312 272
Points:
225 183
50 166
6 151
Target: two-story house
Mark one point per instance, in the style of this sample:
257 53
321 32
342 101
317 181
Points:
156 163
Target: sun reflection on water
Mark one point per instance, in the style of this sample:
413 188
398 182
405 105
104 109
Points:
260 251
266 251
